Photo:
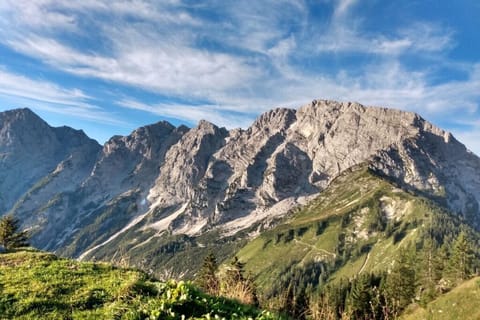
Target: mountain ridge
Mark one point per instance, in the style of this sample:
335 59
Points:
163 181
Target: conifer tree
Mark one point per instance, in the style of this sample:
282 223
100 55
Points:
429 270
461 261
360 296
236 270
10 236
295 301
207 278
400 282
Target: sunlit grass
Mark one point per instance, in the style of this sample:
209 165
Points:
38 285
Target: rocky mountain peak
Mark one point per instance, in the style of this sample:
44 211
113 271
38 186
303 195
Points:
31 150
19 114
204 125
21 128
188 181
140 139
186 162
274 120
135 159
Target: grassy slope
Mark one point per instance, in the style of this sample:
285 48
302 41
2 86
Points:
344 210
37 285
463 302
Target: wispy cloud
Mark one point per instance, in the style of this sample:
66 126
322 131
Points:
233 60
48 96
193 114
345 34
342 8
17 85
176 70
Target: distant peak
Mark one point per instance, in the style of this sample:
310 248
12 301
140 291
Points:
278 119
21 110
21 117
26 112
162 124
182 128
206 125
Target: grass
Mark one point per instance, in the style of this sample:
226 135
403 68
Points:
345 210
39 285
463 302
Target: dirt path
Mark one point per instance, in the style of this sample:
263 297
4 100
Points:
364 263
315 248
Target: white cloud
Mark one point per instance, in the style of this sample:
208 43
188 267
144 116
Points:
38 14
48 96
283 48
242 60
193 114
344 34
21 86
422 38
342 7
180 71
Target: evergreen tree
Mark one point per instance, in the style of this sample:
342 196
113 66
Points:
400 282
10 236
430 269
360 297
207 278
461 262
236 270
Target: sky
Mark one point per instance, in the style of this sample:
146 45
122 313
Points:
108 67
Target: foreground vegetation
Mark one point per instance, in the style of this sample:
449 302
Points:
37 285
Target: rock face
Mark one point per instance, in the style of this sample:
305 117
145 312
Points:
435 164
36 157
165 181
112 193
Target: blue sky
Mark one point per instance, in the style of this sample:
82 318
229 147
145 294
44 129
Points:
108 67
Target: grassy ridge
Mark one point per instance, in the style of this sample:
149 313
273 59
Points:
358 225
463 302
341 224
37 285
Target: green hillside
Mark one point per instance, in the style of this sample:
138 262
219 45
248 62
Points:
347 226
463 302
362 228
37 285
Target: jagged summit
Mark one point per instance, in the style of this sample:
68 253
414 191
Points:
19 127
31 150
18 113
164 181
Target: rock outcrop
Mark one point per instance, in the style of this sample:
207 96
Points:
37 161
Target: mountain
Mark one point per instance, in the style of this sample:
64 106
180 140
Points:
163 196
30 150
359 225
121 173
